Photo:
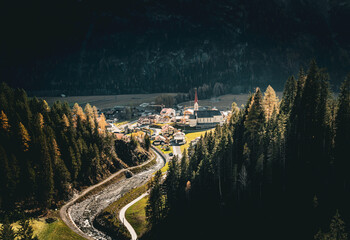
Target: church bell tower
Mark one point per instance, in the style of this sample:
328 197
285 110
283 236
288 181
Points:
195 107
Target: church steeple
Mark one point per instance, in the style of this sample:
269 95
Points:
195 107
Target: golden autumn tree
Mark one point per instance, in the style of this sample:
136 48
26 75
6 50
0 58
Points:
24 137
46 106
78 113
4 122
90 115
41 120
270 102
102 123
65 121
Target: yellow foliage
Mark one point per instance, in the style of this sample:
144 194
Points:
78 112
271 102
65 121
4 122
25 138
102 123
90 115
41 120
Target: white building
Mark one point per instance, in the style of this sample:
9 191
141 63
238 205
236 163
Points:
204 118
180 138
169 112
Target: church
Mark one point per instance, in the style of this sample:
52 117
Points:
204 118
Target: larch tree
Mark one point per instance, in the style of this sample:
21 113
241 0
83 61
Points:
24 137
102 123
4 122
65 121
90 115
270 102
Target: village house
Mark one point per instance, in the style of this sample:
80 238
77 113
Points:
168 130
170 112
160 140
179 138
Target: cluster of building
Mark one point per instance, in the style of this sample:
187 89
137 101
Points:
194 117
165 125
168 133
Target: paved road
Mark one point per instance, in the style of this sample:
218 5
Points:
123 219
80 216
177 151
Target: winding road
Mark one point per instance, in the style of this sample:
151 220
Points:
80 216
123 218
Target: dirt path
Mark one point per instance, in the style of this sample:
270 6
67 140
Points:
80 216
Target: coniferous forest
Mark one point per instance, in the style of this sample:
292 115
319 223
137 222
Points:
276 170
47 152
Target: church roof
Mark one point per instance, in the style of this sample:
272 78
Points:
207 113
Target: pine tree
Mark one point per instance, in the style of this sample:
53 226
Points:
61 173
147 142
289 93
255 119
154 207
342 138
6 180
172 183
46 182
336 230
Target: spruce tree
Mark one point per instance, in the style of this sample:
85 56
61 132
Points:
154 207
342 138
147 142
289 93
46 182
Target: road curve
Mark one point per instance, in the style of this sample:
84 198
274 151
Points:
123 218
80 216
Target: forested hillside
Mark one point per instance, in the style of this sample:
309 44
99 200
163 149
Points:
276 170
143 46
47 152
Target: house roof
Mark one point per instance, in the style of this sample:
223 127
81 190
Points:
207 113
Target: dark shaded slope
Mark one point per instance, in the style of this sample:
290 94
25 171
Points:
85 47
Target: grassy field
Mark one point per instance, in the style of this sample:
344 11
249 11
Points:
51 231
107 101
192 136
54 231
136 216
110 214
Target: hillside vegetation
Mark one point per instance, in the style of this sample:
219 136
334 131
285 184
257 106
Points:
152 46
276 170
47 152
